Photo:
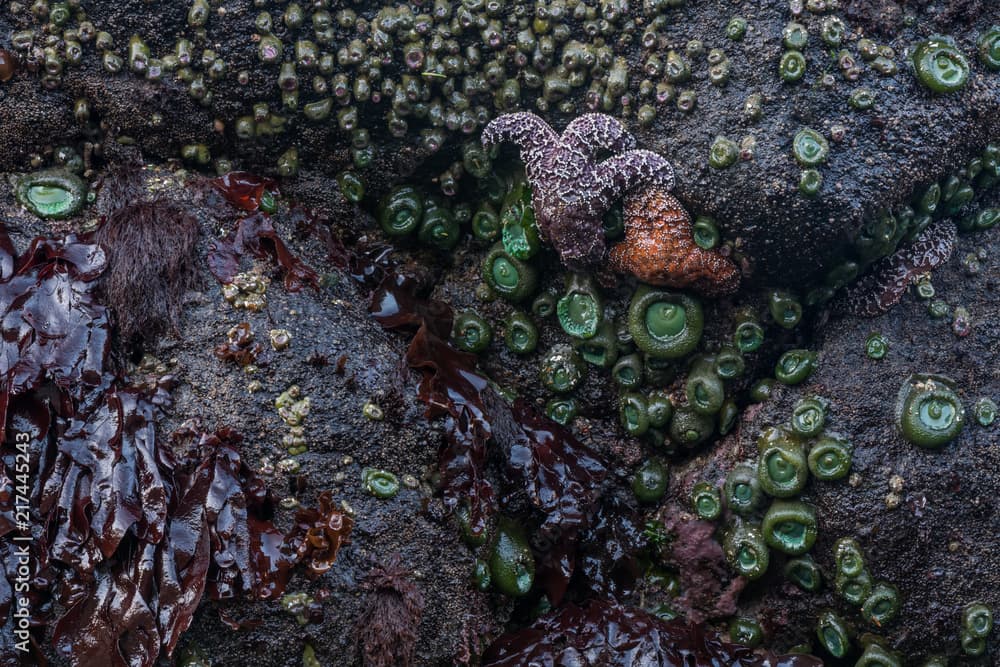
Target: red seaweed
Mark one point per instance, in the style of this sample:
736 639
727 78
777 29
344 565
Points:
609 549
243 189
240 346
385 631
449 386
124 535
561 477
606 633
150 247
319 534
256 236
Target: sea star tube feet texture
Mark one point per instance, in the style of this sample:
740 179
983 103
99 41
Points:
884 286
659 248
571 189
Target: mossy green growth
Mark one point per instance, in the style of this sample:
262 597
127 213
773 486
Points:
804 573
928 411
876 655
781 463
351 185
795 366
882 605
876 346
663 324
792 66
830 457
520 334
562 369
380 483
628 371
705 232
659 408
509 277
939 65
833 634
808 416
438 228
723 154
512 564
520 232
471 333
52 194
706 501
633 413
580 310
601 349
989 48
690 428
745 631
790 527
810 148
742 489
785 308
649 482
400 211
977 620
745 550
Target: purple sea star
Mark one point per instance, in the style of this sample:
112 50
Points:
571 190
888 280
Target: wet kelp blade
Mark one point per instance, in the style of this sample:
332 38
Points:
561 476
130 536
603 632
256 236
243 189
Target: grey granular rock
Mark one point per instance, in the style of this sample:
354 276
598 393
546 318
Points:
927 520
878 157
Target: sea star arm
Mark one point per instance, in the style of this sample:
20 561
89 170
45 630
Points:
531 134
620 173
593 132
884 286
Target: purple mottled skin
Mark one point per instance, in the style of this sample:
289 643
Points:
888 280
570 190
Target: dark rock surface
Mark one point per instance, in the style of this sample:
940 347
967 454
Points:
935 538
938 545
910 137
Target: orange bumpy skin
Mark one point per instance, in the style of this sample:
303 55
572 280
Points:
659 248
